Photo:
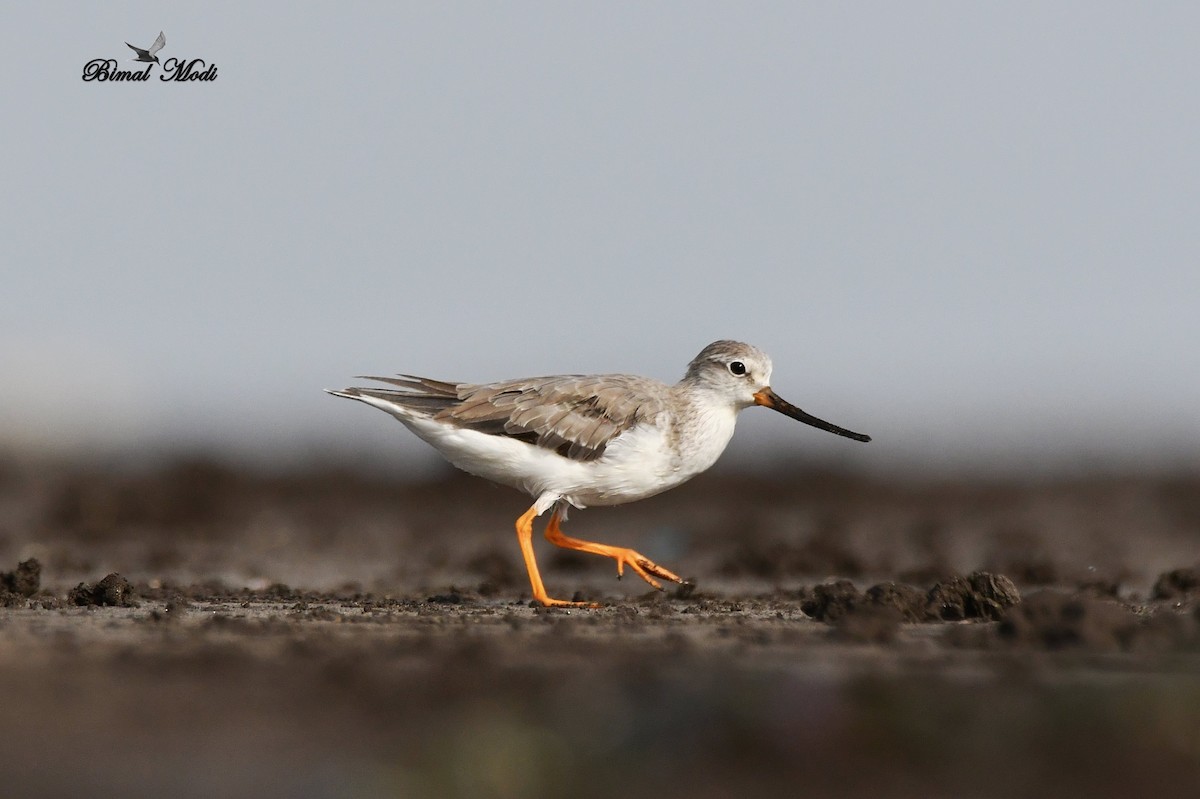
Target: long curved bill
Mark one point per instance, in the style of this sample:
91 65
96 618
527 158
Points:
769 399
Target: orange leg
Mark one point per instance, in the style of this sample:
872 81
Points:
525 537
622 555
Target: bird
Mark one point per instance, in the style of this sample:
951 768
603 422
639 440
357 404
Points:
149 55
575 441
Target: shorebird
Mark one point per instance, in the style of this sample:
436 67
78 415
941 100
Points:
573 441
149 55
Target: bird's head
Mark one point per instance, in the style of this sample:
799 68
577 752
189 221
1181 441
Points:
741 374
732 370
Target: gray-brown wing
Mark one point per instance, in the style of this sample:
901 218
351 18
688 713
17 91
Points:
574 415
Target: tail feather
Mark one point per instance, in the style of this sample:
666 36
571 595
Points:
422 398
420 385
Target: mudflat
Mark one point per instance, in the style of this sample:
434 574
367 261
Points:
199 630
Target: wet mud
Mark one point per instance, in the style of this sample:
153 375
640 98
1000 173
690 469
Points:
195 630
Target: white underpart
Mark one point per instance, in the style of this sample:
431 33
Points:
637 464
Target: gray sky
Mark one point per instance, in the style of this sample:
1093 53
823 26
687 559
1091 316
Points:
967 229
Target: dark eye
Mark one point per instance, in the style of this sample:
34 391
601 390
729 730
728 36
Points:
738 368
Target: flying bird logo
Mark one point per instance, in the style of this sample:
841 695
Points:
173 70
149 55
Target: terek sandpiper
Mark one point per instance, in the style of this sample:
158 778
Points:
580 440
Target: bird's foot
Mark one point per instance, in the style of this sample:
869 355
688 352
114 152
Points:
551 602
642 566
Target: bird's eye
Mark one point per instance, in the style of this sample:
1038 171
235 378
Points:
737 368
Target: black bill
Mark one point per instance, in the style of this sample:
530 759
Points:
769 399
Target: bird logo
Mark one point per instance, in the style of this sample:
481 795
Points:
150 54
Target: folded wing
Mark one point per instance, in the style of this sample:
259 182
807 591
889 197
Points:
577 416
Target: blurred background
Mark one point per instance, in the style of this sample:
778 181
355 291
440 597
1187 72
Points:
966 230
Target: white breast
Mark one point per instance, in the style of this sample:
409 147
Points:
639 463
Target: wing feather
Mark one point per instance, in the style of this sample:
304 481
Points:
159 44
574 415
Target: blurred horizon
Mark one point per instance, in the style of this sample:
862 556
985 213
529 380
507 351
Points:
967 231
408 459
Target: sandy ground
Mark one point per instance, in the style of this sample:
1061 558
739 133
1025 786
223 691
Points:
329 634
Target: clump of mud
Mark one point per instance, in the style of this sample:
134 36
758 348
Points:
980 595
1177 584
1055 620
17 586
25 580
908 601
114 590
831 601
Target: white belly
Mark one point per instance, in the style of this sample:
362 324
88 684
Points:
637 464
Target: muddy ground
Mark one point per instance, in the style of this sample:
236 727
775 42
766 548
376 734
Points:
194 630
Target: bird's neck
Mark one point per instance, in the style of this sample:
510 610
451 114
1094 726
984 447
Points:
702 428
